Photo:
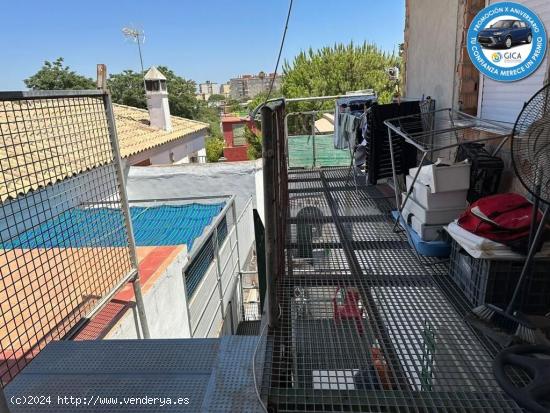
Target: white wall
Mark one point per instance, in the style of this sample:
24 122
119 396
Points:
259 182
165 307
503 101
185 180
432 50
188 147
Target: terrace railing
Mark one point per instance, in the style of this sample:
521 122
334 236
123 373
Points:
212 275
60 260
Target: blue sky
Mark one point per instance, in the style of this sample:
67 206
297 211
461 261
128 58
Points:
200 40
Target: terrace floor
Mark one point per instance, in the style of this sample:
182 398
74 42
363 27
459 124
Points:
363 325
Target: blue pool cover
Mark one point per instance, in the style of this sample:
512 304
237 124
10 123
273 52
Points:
104 227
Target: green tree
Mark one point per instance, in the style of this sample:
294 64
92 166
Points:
254 141
339 69
260 98
216 98
55 76
127 89
214 148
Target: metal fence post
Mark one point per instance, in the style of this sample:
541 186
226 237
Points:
313 139
236 223
184 278
126 212
270 213
218 269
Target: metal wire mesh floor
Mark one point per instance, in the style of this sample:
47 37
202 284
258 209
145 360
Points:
363 325
214 375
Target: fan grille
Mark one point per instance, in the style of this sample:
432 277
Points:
531 145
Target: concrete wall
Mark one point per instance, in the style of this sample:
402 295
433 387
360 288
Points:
165 307
431 56
186 180
259 181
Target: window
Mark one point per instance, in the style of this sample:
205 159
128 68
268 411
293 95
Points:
516 25
503 24
238 135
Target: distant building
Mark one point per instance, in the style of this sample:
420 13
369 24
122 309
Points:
225 89
249 86
209 88
233 129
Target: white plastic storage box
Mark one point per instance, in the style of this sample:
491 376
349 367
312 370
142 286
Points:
448 199
426 232
444 178
440 216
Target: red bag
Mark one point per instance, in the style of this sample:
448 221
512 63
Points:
503 218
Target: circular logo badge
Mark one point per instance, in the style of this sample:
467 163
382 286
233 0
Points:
506 41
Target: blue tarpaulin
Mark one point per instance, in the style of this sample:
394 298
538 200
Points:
104 227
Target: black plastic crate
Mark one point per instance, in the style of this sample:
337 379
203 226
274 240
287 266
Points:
488 281
485 171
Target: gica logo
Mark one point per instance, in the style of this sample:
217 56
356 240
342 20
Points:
507 41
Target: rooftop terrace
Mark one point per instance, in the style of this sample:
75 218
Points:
357 321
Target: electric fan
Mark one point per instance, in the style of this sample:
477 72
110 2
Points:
531 160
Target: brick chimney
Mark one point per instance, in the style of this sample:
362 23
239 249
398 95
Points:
157 100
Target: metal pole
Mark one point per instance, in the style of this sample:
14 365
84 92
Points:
239 273
126 212
234 213
218 269
184 278
268 152
313 138
142 68
394 174
529 259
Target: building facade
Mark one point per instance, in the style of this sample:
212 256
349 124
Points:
454 81
249 86
233 129
209 88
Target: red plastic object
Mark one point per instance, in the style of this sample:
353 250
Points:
348 309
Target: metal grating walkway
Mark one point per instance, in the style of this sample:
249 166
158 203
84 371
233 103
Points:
215 375
363 325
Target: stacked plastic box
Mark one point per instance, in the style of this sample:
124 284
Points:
438 197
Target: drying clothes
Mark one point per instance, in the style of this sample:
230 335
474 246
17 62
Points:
364 125
350 123
340 141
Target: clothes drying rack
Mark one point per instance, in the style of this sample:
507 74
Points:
438 133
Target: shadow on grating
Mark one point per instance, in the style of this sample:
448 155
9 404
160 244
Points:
363 325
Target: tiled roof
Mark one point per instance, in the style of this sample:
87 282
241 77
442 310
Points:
135 135
44 141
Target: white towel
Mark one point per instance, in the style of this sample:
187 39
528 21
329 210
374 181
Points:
479 247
